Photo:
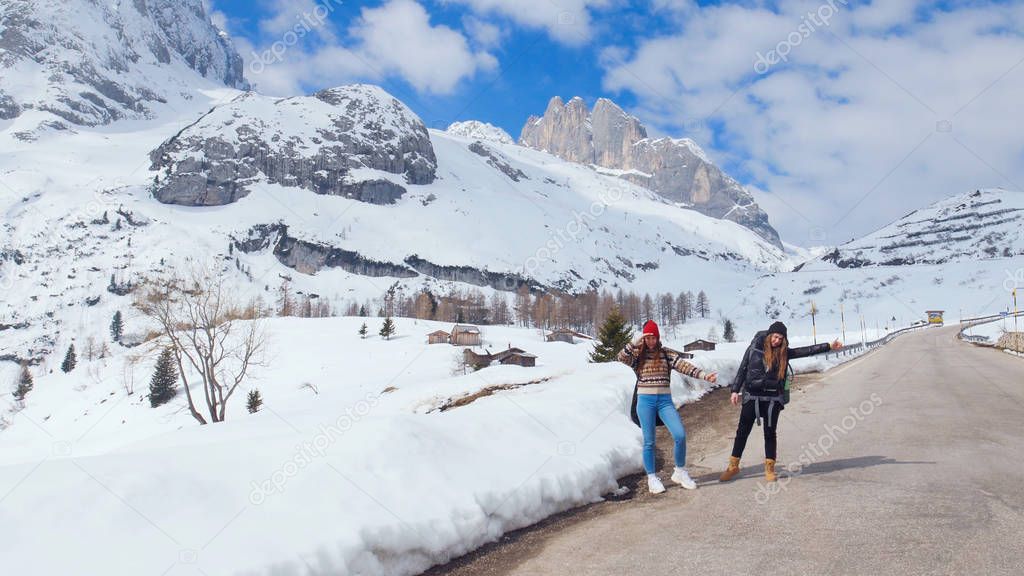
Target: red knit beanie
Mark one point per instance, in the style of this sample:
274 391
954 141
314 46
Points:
651 328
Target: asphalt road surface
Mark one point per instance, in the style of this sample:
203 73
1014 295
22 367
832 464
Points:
907 461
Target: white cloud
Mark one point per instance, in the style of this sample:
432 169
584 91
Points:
300 47
845 136
398 38
567 21
484 34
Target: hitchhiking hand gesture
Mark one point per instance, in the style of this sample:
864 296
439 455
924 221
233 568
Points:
836 345
713 377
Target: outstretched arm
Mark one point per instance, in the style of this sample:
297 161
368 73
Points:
805 351
686 369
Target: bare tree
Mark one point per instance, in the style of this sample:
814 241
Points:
205 327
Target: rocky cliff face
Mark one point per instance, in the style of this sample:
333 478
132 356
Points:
676 169
312 257
92 63
354 141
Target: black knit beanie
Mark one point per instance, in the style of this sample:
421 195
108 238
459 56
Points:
778 328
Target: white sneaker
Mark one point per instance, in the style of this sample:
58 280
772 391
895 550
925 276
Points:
681 477
654 484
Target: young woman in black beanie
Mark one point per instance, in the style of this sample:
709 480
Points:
762 381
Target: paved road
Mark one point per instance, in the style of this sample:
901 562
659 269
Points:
922 473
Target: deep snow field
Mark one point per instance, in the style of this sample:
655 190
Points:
349 467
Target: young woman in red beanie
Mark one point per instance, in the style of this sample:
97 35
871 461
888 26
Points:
652 399
762 381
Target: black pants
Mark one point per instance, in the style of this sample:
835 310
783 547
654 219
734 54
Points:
747 417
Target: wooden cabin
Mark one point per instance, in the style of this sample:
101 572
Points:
699 345
519 359
561 335
439 337
516 356
466 335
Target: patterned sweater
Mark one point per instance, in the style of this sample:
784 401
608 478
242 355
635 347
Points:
656 375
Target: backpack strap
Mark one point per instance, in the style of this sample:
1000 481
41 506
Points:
771 400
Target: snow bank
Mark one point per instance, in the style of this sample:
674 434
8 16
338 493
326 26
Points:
348 469
346 480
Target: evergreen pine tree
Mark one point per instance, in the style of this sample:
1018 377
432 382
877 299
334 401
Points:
25 383
70 360
388 328
611 338
363 330
729 331
362 310
163 385
116 327
254 402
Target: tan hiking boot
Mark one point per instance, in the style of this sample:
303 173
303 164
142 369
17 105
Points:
731 471
769 470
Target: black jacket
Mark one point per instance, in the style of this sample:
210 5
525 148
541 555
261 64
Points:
759 381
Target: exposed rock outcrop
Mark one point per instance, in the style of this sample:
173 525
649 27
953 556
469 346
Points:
676 169
354 141
311 257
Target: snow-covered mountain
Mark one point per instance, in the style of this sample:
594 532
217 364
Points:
88 63
617 144
354 141
476 130
977 225
963 254
128 151
345 193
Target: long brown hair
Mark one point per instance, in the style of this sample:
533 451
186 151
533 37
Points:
642 353
777 360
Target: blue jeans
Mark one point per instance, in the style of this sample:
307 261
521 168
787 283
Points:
649 405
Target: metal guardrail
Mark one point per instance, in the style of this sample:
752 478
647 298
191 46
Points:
861 347
968 323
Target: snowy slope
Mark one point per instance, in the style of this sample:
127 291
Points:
349 469
963 255
475 130
963 228
478 223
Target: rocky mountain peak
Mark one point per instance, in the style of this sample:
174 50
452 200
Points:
676 169
356 141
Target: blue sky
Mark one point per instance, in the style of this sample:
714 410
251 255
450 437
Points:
839 116
533 66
